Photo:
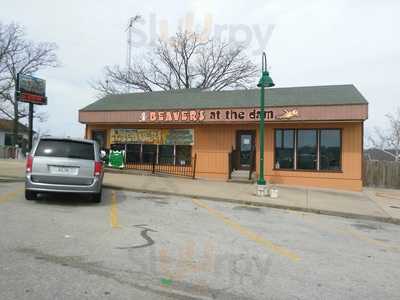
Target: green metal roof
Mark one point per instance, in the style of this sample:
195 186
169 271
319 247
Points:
196 98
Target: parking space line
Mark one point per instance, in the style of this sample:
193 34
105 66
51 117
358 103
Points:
269 245
347 231
362 237
114 211
10 195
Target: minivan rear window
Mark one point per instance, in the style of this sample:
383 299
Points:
64 148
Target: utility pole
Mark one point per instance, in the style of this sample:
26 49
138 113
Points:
15 131
30 126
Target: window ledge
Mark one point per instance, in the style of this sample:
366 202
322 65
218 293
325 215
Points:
311 171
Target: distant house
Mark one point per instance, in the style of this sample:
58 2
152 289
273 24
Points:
377 154
6 133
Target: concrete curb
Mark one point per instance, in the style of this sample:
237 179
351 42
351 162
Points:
264 204
143 173
11 179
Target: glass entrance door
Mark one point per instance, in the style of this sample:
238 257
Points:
245 146
100 137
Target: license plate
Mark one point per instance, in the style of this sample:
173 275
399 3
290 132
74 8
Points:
64 170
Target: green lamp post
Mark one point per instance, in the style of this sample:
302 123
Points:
265 81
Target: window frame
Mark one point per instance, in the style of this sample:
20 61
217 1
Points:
176 162
157 152
144 154
139 153
160 161
317 170
340 152
282 142
316 147
8 137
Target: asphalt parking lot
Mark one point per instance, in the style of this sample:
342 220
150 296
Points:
144 246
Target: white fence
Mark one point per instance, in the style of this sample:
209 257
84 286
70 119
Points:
10 152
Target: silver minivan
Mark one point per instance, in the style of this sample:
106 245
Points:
64 165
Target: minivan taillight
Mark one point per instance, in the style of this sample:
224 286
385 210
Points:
98 167
29 163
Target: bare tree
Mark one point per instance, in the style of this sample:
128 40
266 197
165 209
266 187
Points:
18 55
186 61
388 140
9 35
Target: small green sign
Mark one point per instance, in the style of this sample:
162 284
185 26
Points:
166 282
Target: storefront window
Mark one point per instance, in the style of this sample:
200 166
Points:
147 146
149 153
284 149
329 148
160 154
8 139
133 153
308 146
117 147
166 154
307 149
183 155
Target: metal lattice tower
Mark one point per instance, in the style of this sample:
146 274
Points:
129 30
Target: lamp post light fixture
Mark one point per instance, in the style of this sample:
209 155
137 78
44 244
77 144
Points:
265 81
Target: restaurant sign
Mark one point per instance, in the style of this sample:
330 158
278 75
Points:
213 115
228 115
152 136
31 89
173 116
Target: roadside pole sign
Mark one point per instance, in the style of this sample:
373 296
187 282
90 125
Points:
33 91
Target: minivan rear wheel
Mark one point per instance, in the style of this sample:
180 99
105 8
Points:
29 195
96 197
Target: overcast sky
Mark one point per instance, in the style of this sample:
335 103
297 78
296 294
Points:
309 42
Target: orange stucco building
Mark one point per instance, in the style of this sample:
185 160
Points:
313 135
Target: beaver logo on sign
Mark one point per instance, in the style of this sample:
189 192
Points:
142 117
288 114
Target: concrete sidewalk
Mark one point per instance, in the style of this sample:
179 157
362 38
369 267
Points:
12 170
371 204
